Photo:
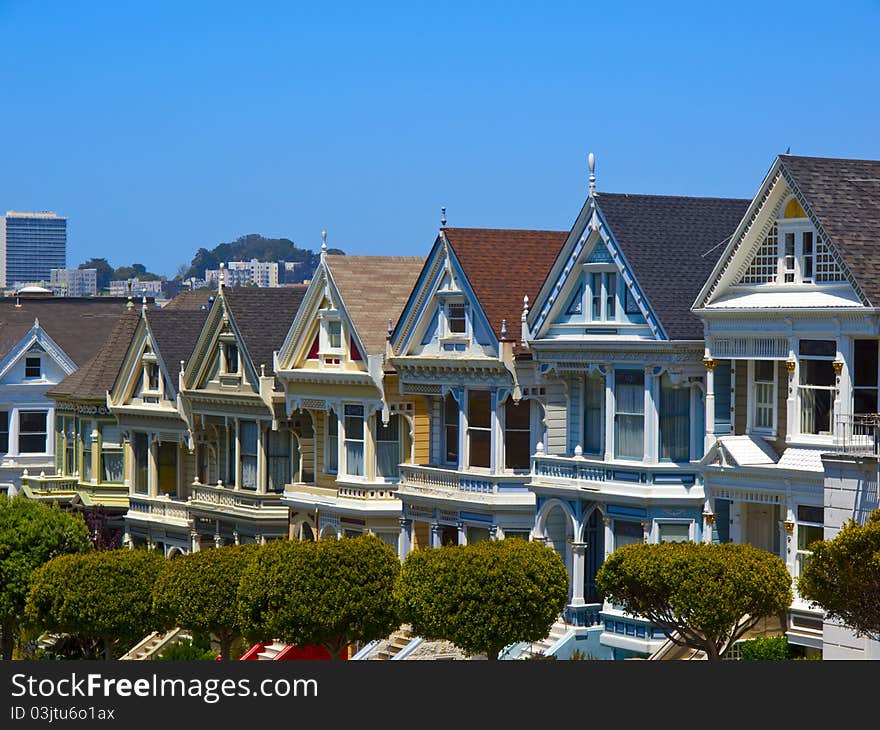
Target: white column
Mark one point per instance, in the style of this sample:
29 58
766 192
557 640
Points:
578 550
262 436
153 467
609 536
405 541
194 540
436 534
709 518
462 534
651 425
710 403
495 429
793 420
609 413
237 465
736 531
463 452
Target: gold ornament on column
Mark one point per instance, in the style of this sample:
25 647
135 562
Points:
790 365
710 363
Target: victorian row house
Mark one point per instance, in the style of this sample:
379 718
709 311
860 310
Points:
668 369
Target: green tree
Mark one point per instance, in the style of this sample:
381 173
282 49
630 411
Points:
843 576
199 592
103 273
484 596
702 596
31 533
106 595
766 648
329 593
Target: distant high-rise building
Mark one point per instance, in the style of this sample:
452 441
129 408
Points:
74 282
31 245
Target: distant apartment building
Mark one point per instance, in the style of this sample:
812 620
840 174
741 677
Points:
31 245
133 287
74 282
243 273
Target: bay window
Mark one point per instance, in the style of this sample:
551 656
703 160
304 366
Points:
450 430
388 447
479 428
249 443
594 409
865 377
816 385
517 434
354 440
675 420
629 416
764 391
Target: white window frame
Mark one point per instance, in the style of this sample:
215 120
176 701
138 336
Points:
818 437
800 553
401 457
658 522
344 439
854 387
39 359
19 433
327 450
224 364
604 272
795 227
752 425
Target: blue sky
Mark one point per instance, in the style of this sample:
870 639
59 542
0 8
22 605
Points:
164 126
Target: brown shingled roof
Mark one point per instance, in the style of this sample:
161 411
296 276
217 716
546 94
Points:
176 333
96 377
502 266
375 289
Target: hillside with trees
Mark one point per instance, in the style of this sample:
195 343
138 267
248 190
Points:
105 273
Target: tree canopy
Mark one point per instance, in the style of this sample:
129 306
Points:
483 596
31 533
105 594
329 593
199 592
105 273
843 576
702 596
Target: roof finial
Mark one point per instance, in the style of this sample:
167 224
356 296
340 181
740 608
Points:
36 323
591 163
390 328
443 217
526 305
788 150
144 303
503 329
130 303
220 276
323 243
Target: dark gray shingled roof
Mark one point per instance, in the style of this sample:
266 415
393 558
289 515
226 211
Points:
263 317
844 195
176 333
96 377
672 244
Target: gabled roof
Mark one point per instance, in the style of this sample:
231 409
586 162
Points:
176 333
374 289
672 244
844 195
77 325
191 299
502 266
263 317
96 377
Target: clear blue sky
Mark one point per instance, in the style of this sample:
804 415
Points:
159 127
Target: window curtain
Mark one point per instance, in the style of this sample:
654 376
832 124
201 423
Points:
630 418
388 447
86 435
722 385
249 439
332 450
354 440
112 459
594 405
141 447
675 422
278 471
450 430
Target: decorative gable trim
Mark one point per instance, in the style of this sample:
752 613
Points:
36 335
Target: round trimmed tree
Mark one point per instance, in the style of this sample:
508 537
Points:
107 595
199 592
484 596
31 533
702 596
329 593
843 576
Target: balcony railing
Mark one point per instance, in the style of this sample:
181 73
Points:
50 483
159 508
581 471
240 501
436 479
858 435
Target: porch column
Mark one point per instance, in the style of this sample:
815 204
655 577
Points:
236 537
462 534
736 521
194 541
609 535
153 467
95 455
578 550
709 517
793 417
493 532
651 417
404 543
710 402
218 540
237 465
786 532
609 412
262 437
436 534
495 428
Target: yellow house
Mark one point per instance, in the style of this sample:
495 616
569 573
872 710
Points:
334 369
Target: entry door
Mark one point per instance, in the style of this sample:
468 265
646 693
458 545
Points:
761 529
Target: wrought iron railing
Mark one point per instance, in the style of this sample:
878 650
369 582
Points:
857 434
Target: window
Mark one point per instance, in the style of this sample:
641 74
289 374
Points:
517 434
279 458
32 367
627 533
68 435
797 253
230 455
722 385
673 531
86 428
629 417
763 414
450 430
32 432
4 431
610 296
603 295
388 447
456 318
479 428
594 421
809 529
816 385
865 376
112 458
331 457
167 458
596 295
248 445
354 440
334 334
230 357
152 374
675 420
141 449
